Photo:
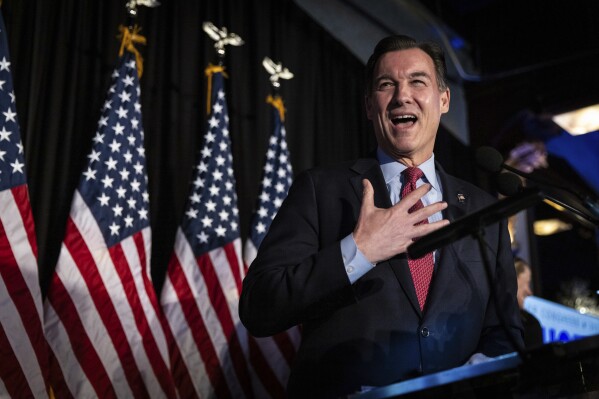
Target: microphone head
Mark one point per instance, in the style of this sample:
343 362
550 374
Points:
508 184
489 159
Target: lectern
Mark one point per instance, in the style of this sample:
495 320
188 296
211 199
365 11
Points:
554 370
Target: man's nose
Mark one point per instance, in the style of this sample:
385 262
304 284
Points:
403 94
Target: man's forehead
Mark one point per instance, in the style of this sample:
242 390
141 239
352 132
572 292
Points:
408 57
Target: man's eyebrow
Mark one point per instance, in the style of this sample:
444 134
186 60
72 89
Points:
383 77
419 74
416 74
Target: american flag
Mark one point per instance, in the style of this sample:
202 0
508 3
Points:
23 350
271 357
102 317
203 283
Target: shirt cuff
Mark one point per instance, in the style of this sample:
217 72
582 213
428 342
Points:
356 264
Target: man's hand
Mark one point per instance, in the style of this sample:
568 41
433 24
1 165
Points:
382 233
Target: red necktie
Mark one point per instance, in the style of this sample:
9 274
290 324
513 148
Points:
422 268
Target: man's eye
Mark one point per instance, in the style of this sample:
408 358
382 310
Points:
386 85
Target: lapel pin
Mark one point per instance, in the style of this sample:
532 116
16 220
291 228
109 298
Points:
461 198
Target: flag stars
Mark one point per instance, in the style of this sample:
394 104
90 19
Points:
218 108
124 174
114 229
98 138
210 206
262 212
220 231
192 213
117 210
103 199
260 228
94 156
10 115
139 168
209 137
17 166
121 192
122 112
128 80
128 221
224 215
111 163
214 190
217 175
206 221
213 122
90 174
107 181
125 97
118 129
202 237
115 146
195 198
5 134
4 65
143 214
135 185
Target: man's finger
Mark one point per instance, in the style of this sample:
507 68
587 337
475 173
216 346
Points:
414 196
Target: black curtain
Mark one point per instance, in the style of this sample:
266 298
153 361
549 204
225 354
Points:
63 53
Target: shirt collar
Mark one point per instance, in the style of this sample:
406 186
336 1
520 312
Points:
391 168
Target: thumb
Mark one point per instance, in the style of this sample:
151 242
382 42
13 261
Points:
367 195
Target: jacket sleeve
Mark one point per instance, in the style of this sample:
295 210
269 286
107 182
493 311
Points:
297 274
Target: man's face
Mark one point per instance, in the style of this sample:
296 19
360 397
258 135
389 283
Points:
405 105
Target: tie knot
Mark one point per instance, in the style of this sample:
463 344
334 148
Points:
411 175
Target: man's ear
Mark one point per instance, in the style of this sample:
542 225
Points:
445 97
368 106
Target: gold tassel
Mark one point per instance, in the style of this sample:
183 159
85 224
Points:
277 102
128 38
209 71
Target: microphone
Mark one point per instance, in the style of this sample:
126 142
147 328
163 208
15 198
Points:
473 223
490 160
508 184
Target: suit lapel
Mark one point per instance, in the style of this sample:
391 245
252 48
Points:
458 205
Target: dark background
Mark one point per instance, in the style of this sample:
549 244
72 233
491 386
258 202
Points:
540 56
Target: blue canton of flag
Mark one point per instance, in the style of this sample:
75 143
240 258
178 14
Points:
277 178
212 217
12 162
114 185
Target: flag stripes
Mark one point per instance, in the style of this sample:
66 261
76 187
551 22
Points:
23 350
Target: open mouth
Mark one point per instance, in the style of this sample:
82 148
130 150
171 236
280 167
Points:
403 119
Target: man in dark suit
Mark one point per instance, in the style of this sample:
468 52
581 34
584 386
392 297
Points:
334 259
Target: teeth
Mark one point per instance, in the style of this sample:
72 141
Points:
403 118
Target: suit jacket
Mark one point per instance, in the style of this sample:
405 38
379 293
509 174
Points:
373 332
